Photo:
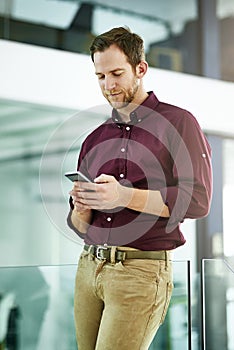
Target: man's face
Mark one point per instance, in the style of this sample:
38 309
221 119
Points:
118 82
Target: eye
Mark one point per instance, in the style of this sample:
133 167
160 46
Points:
100 77
117 74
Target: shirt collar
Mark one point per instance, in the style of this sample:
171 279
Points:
144 109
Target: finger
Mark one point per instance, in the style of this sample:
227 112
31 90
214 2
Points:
87 186
77 185
81 202
104 178
77 199
81 207
76 192
89 201
89 195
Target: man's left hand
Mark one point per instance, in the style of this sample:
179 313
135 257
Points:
105 193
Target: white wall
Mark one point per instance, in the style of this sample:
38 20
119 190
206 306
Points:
63 79
46 76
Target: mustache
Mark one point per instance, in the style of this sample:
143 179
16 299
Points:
112 92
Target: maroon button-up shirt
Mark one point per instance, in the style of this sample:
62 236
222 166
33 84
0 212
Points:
162 148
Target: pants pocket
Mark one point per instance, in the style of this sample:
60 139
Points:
169 290
82 259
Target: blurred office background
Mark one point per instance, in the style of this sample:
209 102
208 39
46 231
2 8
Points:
49 101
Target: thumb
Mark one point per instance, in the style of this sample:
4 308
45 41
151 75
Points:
104 178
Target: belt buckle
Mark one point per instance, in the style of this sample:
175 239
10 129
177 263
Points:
98 252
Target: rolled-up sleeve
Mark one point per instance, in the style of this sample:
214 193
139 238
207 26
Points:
191 153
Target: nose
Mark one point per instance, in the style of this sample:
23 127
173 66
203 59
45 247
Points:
109 83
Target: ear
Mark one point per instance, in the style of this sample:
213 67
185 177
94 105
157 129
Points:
141 69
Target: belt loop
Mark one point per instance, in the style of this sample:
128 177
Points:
89 249
112 255
166 260
90 254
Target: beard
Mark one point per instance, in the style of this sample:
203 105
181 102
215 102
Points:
123 96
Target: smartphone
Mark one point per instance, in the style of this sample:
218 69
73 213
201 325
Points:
77 176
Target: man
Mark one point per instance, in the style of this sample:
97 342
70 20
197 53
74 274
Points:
150 166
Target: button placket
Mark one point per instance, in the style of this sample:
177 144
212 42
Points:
126 130
123 146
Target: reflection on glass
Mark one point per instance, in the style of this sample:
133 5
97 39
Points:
225 14
170 29
72 25
218 305
175 334
41 314
228 193
36 305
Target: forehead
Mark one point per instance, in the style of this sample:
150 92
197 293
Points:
110 59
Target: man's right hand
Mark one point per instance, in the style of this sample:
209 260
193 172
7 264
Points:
76 194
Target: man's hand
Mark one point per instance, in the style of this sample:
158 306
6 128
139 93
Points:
105 193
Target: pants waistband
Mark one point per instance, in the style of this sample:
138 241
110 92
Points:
114 254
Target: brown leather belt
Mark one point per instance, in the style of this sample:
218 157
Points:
106 253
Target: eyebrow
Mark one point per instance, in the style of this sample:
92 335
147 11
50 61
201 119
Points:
112 71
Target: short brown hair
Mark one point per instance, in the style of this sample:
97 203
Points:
130 43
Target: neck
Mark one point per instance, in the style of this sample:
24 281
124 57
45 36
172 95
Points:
126 111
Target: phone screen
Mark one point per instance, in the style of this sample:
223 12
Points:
77 176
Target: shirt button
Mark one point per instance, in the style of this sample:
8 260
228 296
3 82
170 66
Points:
122 150
128 128
139 120
203 155
121 175
108 219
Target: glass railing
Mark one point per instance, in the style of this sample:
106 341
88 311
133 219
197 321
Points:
36 309
217 282
175 333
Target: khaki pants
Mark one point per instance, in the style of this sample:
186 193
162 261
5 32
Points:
120 306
